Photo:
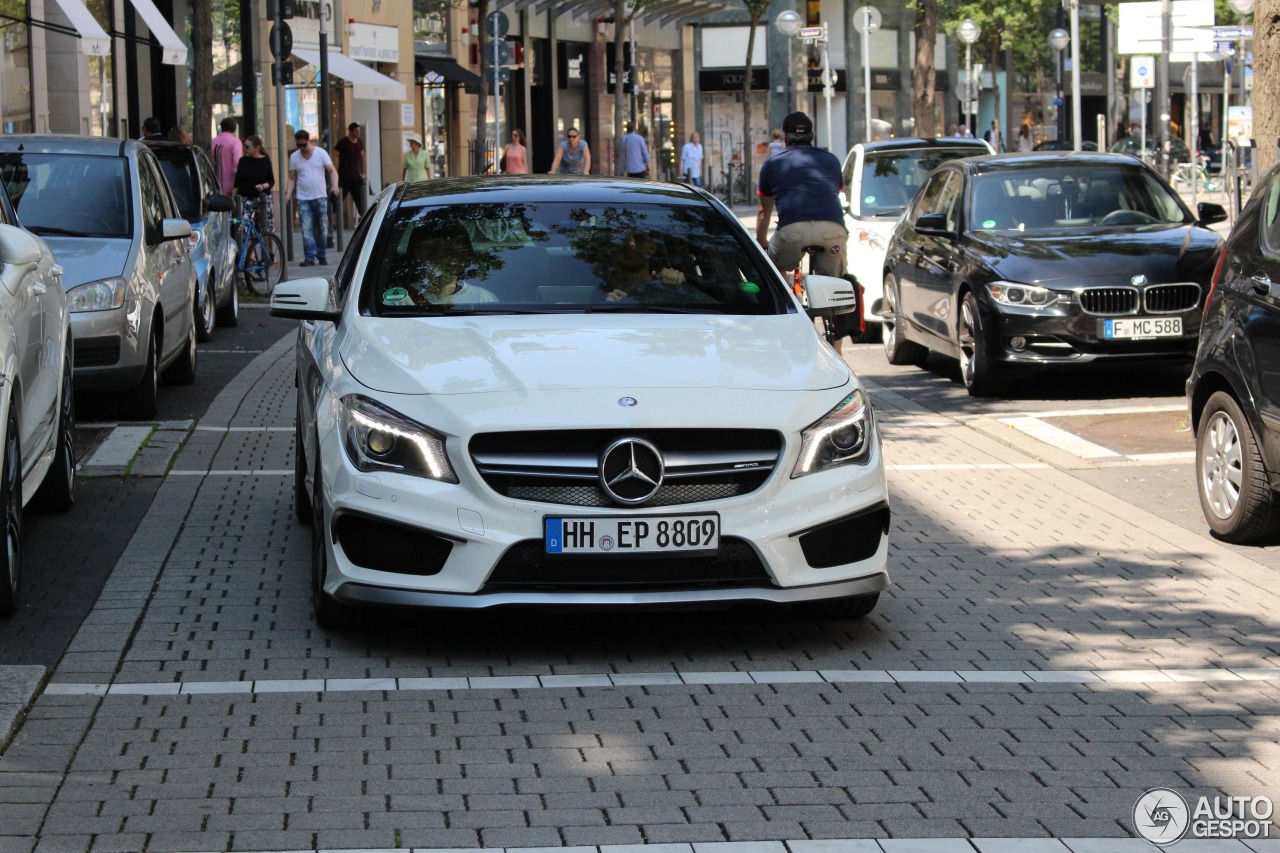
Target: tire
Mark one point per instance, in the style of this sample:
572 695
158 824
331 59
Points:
58 491
1231 480
897 349
301 498
852 607
229 314
270 270
140 403
206 317
183 370
11 502
330 614
982 376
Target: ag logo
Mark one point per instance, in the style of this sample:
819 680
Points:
1161 816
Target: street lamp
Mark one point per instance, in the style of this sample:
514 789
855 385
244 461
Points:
1058 40
788 23
968 32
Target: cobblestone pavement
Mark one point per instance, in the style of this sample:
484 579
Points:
1048 652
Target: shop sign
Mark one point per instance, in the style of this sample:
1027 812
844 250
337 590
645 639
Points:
572 61
730 79
373 43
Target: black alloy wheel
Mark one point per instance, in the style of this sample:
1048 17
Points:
897 349
11 501
982 376
58 491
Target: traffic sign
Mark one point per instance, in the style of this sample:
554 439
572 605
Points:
503 74
503 51
1142 72
866 19
1231 33
281 40
497 24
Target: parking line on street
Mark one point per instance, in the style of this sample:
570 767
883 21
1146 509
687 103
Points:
971 466
1180 456
390 684
243 429
231 472
1060 438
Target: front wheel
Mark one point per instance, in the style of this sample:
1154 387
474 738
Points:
11 503
229 314
206 314
1234 493
981 375
183 371
57 493
140 403
897 349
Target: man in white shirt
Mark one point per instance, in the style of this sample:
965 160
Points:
691 160
311 179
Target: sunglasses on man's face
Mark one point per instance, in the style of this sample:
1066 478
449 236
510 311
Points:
573 136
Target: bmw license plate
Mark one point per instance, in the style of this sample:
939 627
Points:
1142 327
645 534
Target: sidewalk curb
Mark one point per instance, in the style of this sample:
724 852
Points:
19 686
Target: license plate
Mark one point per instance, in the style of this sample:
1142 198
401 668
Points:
1142 327
622 535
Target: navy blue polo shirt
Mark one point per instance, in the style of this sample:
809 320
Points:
805 183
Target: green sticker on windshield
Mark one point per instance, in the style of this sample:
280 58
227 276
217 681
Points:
870 199
394 296
988 223
749 287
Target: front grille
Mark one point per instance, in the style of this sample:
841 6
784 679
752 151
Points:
385 547
526 567
1171 298
1109 300
845 540
562 466
97 352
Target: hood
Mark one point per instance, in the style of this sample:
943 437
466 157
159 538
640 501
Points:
486 354
1102 256
85 259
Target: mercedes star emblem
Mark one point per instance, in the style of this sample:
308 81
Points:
627 402
631 471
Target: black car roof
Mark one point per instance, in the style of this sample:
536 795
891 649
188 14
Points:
66 143
1040 159
550 188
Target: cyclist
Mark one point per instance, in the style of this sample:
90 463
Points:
805 183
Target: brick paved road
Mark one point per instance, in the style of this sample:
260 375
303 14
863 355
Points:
1049 651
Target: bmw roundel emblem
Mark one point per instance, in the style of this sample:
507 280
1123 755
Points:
627 402
1138 280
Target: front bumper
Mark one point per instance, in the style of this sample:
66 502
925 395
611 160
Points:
1071 336
109 355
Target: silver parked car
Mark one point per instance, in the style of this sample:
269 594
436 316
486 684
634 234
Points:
106 210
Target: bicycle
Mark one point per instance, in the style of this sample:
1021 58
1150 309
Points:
1185 174
835 327
260 258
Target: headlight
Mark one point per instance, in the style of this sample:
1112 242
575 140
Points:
841 436
1025 295
869 239
378 439
97 295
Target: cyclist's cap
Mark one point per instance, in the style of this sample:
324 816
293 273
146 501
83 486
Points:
797 123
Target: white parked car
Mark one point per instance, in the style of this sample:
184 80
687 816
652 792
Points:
880 179
37 406
526 391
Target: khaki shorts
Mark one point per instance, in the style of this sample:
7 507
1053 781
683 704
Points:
786 247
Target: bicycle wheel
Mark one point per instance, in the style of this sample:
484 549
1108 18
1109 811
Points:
263 264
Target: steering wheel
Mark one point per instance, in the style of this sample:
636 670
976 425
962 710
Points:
1127 217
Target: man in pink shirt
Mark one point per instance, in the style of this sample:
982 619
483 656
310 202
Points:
227 151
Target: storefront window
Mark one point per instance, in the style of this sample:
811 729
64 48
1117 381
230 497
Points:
429 18
15 68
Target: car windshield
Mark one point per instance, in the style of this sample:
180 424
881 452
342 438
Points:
179 167
890 178
1058 197
78 195
562 257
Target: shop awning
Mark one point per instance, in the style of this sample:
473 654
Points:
678 12
172 45
366 83
446 68
93 38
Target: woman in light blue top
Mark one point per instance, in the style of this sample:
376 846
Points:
573 157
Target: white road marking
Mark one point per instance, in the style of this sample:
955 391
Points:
243 429
972 466
229 472
1060 438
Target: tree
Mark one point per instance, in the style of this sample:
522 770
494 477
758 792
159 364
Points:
924 95
202 72
1266 70
756 10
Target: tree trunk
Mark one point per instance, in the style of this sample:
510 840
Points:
620 22
202 73
1266 71
924 96
482 105
747 165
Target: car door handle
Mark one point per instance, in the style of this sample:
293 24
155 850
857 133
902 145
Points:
39 288
1261 284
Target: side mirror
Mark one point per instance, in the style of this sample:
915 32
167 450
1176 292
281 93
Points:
1210 213
304 299
219 203
17 247
830 295
934 224
174 229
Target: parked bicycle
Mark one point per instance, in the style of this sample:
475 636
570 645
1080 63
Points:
1186 173
260 258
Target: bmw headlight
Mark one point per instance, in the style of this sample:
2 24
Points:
841 436
97 295
1025 295
378 439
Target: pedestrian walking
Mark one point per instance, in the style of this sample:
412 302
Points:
992 136
227 151
416 162
313 179
254 180
514 155
691 160
777 146
573 157
350 164
1024 138
635 153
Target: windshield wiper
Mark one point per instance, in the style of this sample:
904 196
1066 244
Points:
61 232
